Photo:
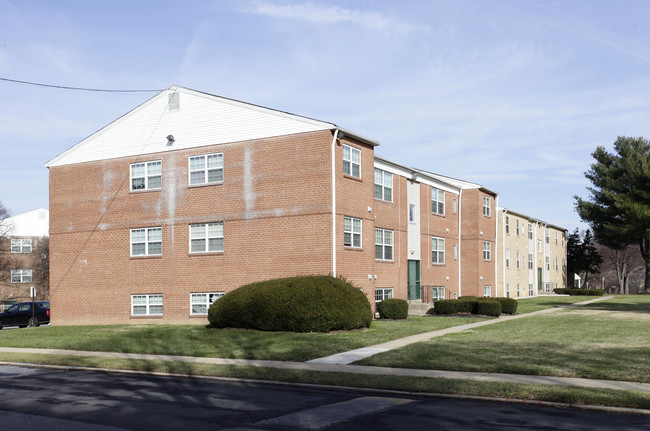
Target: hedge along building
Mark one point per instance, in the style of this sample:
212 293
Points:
532 255
191 195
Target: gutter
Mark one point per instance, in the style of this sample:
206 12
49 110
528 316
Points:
334 138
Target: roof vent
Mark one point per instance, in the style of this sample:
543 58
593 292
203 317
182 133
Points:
175 101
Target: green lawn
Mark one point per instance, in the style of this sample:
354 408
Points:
604 340
543 302
192 340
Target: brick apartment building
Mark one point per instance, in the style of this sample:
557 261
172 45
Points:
191 195
23 257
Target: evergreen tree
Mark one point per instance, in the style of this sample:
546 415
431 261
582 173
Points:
618 210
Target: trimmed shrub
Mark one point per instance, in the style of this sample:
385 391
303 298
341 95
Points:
580 292
393 309
489 307
446 306
508 305
297 304
466 304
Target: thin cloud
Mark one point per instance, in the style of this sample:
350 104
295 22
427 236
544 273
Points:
323 14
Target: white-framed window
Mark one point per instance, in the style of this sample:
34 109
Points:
507 224
411 213
486 206
518 260
206 237
200 302
547 236
352 232
455 251
146 175
437 250
383 244
147 305
206 169
507 290
21 275
383 185
539 246
507 258
530 261
518 290
382 293
437 201
437 292
517 230
530 231
146 241
351 161
548 263
454 205
531 290
487 291
21 245
487 250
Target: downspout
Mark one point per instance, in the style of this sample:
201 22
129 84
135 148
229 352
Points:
460 222
505 211
496 245
336 135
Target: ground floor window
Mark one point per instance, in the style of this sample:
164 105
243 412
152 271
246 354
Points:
547 287
146 305
487 291
438 292
507 291
518 290
21 275
383 293
531 290
200 302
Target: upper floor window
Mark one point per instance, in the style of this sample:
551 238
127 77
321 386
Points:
437 250
547 236
531 263
206 237
530 231
507 258
507 224
21 275
352 232
206 169
383 185
486 206
437 201
518 260
487 250
21 245
412 213
383 244
146 241
146 175
351 161
454 205
517 227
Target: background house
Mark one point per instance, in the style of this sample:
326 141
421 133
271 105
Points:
24 257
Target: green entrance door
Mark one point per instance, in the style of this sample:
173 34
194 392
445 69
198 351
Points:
539 279
414 279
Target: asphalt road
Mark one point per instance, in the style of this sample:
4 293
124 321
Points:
82 400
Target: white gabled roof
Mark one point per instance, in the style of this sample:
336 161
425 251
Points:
201 120
33 223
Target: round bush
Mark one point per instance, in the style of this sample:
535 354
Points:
297 304
393 309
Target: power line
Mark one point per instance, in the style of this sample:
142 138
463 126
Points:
62 87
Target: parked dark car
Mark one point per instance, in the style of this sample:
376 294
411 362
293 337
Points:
21 314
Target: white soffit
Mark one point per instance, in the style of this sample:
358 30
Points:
201 120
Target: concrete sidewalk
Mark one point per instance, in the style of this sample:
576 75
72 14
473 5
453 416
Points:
328 365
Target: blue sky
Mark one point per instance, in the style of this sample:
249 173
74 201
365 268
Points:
514 95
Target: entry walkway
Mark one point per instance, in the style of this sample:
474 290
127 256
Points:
337 365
